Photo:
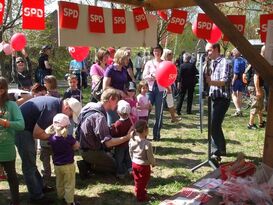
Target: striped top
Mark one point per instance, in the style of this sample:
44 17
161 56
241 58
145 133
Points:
221 71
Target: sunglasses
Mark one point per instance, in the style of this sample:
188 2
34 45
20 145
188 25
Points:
20 62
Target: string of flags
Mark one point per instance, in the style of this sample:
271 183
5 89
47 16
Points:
33 17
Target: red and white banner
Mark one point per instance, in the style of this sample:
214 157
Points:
177 21
140 19
69 15
119 20
33 16
239 22
2 9
204 26
264 18
96 19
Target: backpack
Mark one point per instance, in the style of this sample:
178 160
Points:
97 90
247 75
94 142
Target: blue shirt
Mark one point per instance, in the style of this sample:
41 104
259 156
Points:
62 148
76 66
40 110
239 66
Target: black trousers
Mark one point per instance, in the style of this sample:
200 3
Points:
189 90
9 168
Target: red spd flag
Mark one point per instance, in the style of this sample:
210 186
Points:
2 9
239 22
140 19
204 26
119 21
177 21
69 15
96 19
33 16
264 18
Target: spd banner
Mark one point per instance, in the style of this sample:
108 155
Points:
140 19
96 19
239 22
2 9
177 21
33 15
204 26
264 18
119 21
68 15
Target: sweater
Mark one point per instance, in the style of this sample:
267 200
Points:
141 151
13 114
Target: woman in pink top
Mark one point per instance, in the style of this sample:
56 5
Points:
97 70
155 92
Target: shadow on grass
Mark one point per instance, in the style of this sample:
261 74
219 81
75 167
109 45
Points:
194 140
178 163
164 151
102 178
159 181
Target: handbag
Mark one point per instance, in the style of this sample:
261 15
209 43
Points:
97 90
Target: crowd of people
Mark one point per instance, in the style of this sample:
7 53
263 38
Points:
111 130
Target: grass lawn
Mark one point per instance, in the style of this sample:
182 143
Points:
181 148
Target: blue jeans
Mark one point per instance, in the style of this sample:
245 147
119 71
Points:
26 147
219 109
123 159
156 98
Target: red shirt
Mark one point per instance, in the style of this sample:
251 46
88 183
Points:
120 129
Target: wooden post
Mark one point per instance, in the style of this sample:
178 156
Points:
253 56
268 141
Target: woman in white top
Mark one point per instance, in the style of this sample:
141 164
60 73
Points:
155 93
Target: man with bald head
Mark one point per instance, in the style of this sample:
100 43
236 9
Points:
219 81
239 66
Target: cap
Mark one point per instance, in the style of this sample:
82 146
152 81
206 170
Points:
61 120
132 86
123 107
76 107
46 47
18 59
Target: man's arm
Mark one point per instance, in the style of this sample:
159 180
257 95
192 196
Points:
39 133
117 141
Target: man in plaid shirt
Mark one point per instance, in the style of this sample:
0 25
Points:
219 81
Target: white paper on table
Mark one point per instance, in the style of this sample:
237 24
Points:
180 201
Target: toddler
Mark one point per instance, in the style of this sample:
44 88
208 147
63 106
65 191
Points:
119 129
63 147
141 153
143 103
132 100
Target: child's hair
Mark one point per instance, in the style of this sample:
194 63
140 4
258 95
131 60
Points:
72 77
141 85
36 88
52 81
59 126
141 126
4 86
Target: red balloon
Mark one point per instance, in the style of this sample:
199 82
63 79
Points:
18 41
194 28
79 53
162 14
166 73
215 35
7 49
